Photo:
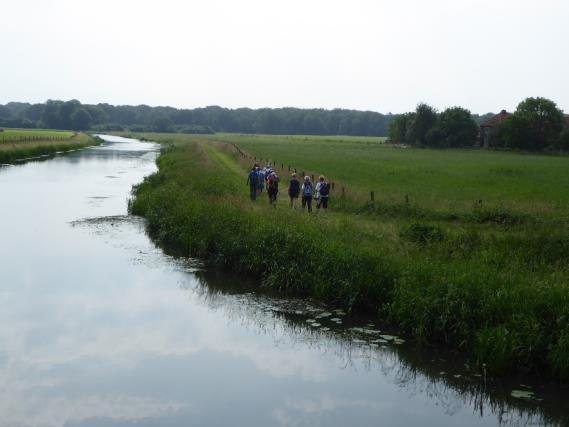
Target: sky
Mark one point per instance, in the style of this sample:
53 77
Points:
379 55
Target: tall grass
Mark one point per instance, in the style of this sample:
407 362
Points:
497 289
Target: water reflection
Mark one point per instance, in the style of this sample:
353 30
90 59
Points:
101 328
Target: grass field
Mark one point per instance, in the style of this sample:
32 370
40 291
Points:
443 180
492 281
17 144
8 135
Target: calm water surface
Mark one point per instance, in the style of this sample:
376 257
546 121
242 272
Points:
99 328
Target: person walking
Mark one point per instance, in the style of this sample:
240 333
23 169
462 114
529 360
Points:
293 190
306 191
273 187
322 193
253 182
260 180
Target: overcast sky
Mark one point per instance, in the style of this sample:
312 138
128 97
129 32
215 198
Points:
377 55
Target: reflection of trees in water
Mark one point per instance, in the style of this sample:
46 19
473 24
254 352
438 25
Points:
411 369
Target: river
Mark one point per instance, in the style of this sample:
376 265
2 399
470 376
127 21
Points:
100 328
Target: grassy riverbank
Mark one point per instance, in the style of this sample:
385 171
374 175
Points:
493 283
18 144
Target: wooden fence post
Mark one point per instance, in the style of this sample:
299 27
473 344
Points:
406 199
372 196
343 192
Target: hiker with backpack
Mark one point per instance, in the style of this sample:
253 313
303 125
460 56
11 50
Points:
306 191
273 187
253 182
322 193
293 190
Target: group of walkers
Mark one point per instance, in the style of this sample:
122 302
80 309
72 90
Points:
259 178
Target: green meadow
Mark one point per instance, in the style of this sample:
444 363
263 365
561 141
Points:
441 180
19 144
476 259
17 134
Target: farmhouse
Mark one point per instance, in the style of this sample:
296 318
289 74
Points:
486 127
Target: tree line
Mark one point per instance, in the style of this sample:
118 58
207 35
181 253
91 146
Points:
105 117
536 124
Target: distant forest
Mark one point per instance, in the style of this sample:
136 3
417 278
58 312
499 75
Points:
73 115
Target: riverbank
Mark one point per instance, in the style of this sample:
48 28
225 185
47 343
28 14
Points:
16 146
498 293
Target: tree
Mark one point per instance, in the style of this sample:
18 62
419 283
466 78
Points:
399 126
4 112
162 124
563 142
51 116
536 124
80 119
457 127
425 118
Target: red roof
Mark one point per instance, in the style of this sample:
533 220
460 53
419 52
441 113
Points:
497 119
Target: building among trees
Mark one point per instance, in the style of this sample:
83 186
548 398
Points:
488 125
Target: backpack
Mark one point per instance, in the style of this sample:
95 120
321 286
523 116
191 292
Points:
273 180
308 189
325 189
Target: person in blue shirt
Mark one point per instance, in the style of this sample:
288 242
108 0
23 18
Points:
253 182
306 191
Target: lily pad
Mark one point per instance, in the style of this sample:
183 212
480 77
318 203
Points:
310 320
315 325
522 394
388 337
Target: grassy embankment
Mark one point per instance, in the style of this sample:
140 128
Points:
489 279
18 144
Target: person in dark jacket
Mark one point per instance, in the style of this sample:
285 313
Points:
273 187
322 193
293 190
253 182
